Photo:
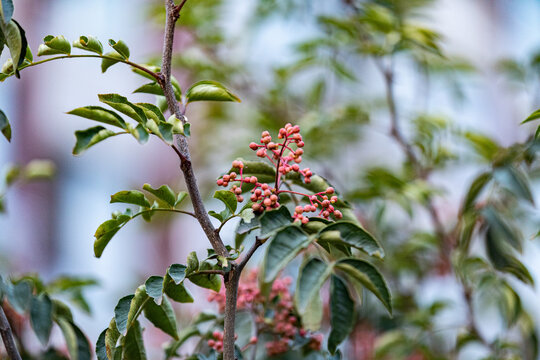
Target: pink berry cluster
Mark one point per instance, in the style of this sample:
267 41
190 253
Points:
216 342
285 156
283 326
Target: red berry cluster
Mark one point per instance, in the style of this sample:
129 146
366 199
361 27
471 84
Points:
286 159
216 342
284 325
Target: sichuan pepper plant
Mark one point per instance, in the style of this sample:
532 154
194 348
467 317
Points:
322 227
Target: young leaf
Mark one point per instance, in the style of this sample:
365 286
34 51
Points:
120 47
106 231
342 317
121 312
152 111
109 60
121 103
111 338
139 132
155 89
144 74
100 114
312 276
192 263
209 91
5 127
89 137
283 247
139 300
101 348
130 197
41 319
15 39
162 316
354 236
370 277
207 281
164 193
133 344
54 45
89 43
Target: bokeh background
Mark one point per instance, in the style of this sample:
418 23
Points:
249 46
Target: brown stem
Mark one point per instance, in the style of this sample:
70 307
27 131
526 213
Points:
7 336
182 150
232 279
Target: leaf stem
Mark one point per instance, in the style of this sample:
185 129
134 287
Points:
132 64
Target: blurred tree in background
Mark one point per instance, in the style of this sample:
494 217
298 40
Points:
454 254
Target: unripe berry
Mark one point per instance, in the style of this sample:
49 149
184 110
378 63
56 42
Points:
305 220
295 167
226 178
330 190
273 197
253 146
238 191
239 198
300 144
220 182
253 180
298 160
265 133
267 202
299 209
338 214
253 340
253 198
307 208
233 175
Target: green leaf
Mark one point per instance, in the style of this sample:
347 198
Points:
89 137
139 300
516 181
54 45
207 90
106 231
162 316
313 316
41 320
207 281
185 334
476 187
76 341
342 316
368 276
5 126
15 39
133 344
130 197
111 338
39 169
19 295
152 111
192 263
121 103
89 43
227 198
273 220
155 89
176 291
100 114
154 287
121 313
120 47
283 247
164 193
109 60
354 236
264 172
502 231
535 115
144 74
101 348
177 272
139 132
7 10
313 274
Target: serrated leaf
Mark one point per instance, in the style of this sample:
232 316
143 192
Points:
283 247
154 287
313 274
54 45
227 198
130 197
89 43
368 276
7 10
121 103
274 219
121 48
109 60
89 137
121 313
164 193
354 236
41 319
207 90
133 344
5 127
100 114
162 316
207 281
76 341
342 317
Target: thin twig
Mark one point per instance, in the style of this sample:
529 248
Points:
249 254
7 336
